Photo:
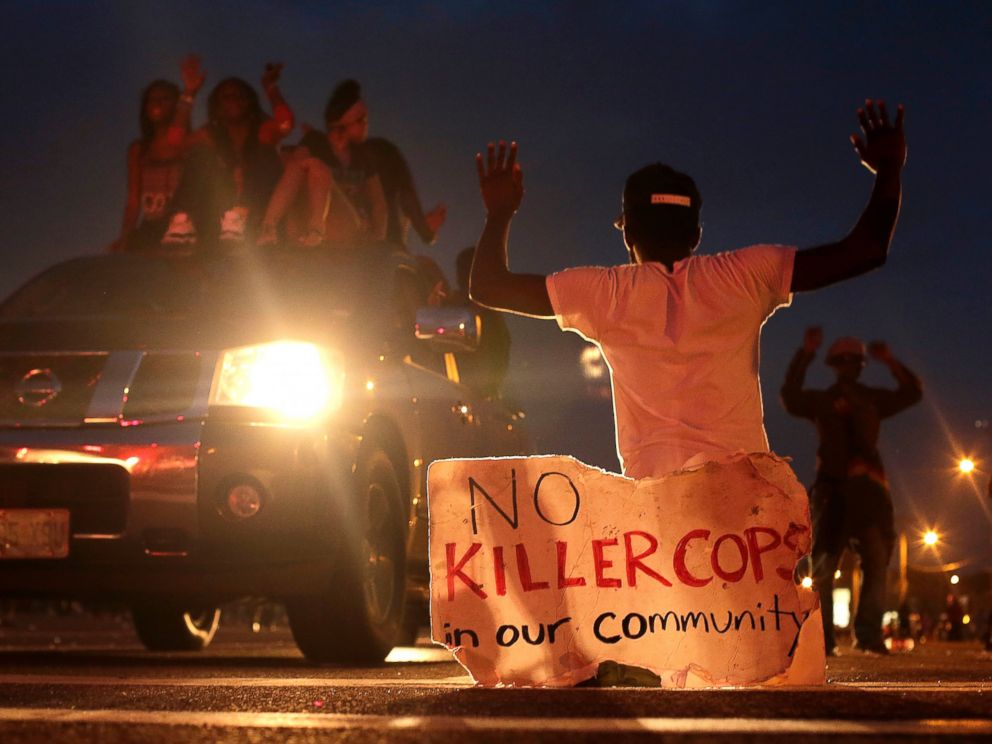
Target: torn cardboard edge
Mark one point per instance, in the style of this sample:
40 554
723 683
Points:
804 665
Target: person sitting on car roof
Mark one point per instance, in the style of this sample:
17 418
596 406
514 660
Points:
155 161
233 165
345 203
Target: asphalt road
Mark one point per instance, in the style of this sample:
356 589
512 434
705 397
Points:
87 679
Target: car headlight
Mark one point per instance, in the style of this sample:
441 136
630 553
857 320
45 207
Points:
296 379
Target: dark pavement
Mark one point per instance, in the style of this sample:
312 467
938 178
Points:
81 678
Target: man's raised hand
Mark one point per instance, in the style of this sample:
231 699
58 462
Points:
192 73
883 144
501 179
812 339
880 350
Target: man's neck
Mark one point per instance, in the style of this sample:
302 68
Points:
667 255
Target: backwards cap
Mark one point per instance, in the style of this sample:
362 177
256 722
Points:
658 185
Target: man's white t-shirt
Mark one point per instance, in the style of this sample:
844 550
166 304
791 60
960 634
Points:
682 347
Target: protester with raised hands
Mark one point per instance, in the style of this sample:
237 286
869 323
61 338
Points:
155 160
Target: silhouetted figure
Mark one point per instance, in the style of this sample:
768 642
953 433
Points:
850 499
485 368
680 331
955 618
155 161
233 165
402 200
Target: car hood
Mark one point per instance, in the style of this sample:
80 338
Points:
115 334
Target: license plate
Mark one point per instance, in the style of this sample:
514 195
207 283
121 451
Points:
34 533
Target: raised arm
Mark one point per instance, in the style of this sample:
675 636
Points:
797 401
282 121
491 283
882 150
909 390
193 77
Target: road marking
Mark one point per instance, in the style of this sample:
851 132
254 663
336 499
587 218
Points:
331 721
919 686
129 681
457 681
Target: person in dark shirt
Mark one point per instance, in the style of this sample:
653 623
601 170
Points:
232 166
402 200
485 368
345 200
850 498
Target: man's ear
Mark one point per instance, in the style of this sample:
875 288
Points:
698 237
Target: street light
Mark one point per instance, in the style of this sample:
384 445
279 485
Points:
966 465
930 538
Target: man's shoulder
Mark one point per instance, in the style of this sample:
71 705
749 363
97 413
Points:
753 252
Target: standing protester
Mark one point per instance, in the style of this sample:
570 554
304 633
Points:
680 331
155 162
850 498
485 368
233 165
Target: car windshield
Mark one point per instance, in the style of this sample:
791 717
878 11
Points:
284 284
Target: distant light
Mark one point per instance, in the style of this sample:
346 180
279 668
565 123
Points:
370 385
966 465
930 537
955 579
837 574
807 582
842 607
966 619
593 364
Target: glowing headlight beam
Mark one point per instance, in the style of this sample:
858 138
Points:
295 378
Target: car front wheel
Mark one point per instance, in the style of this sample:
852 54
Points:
165 627
359 618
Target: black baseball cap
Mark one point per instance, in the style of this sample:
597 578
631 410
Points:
656 187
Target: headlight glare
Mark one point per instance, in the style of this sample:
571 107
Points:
299 380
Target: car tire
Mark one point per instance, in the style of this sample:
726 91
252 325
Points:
359 618
165 627
414 619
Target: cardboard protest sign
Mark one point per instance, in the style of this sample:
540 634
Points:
542 567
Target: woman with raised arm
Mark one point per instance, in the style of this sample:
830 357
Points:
233 165
155 161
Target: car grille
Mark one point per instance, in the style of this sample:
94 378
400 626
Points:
72 377
96 495
164 384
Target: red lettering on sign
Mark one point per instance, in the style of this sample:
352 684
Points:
455 571
564 582
756 549
681 570
499 569
600 563
634 562
737 574
523 568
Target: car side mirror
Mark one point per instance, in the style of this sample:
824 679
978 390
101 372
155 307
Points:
448 328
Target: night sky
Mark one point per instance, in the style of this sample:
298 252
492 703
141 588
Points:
754 100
